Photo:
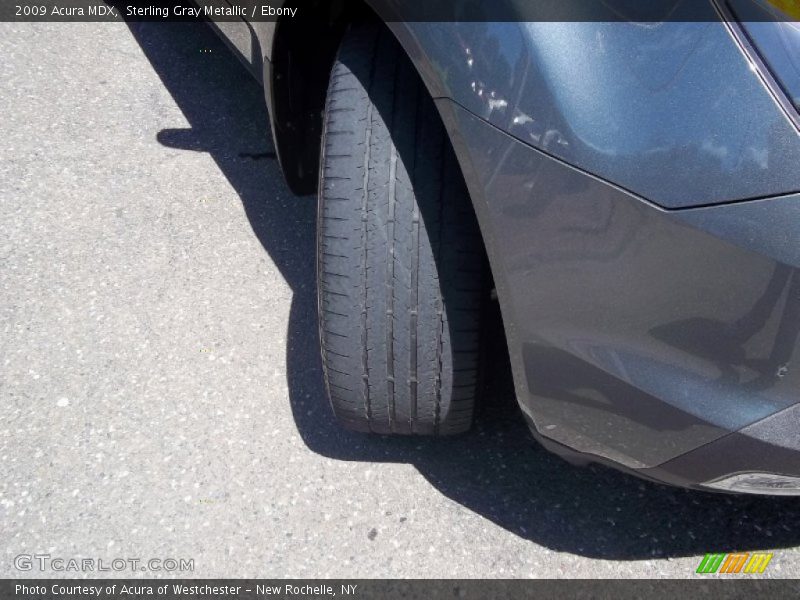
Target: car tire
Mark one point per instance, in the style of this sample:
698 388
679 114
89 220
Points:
401 268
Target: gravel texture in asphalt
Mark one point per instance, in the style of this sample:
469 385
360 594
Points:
159 364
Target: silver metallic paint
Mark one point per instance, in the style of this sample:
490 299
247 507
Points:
641 330
636 334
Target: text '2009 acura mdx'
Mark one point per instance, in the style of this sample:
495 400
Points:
627 182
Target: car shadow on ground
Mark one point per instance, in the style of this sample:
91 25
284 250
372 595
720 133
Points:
498 470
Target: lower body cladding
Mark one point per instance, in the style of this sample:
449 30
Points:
658 341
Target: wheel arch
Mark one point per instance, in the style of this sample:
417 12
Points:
296 79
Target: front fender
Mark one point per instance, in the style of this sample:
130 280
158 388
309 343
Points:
671 111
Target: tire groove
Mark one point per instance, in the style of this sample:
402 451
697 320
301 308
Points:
413 378
390 237
364 241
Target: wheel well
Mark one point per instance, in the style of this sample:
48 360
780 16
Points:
302 56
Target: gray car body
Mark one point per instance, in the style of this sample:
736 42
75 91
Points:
637 187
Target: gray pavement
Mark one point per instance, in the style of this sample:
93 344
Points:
160 392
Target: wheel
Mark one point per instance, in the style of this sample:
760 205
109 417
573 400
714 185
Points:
401 268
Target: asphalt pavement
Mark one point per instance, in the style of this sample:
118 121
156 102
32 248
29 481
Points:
160 385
